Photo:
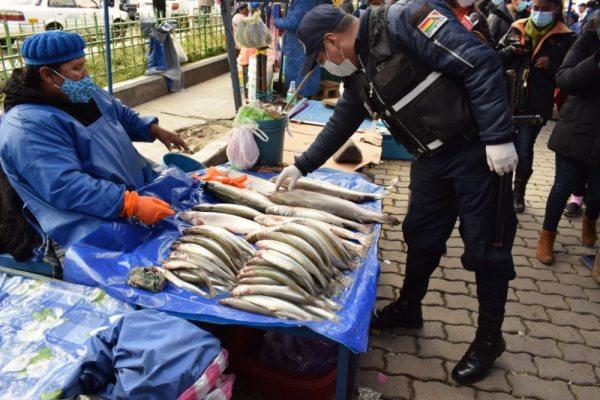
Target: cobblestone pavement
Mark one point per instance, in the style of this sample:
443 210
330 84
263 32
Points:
552 326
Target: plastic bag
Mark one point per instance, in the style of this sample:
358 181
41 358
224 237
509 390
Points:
181 56
242 150
253 33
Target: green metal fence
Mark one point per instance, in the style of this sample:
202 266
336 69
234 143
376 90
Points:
201 36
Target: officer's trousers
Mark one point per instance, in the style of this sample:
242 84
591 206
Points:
458 184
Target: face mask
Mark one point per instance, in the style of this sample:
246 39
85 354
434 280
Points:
80 91
497 2
346 68
465 3
522 6
542 19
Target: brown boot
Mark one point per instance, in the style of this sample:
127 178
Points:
545 247
588 231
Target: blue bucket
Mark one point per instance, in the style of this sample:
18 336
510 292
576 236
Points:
271 151
183 162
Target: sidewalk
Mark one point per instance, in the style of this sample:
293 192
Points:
198 104
552 328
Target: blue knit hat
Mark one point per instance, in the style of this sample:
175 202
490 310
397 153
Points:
52 47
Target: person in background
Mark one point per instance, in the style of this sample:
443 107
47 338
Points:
160 8
534 47
582 10
292 49
66 144
367 4
573 22
471 18
486 6
347 6
504 15
241 12
590 8
574 140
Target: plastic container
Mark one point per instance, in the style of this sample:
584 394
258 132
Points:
183 162
392 150
271 383
271 151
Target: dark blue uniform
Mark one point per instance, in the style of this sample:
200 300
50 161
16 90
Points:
455 182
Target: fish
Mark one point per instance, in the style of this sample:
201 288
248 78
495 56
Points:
245 197
226 208
281 292
333 205
280 306
232 223
244 305
170 276
197 277
305 282
308 235
302 212
202 252
260 185
214 247
273 220
296 255
322 313
284 262
269 272
222 236
259 280
332 239
295 241
332 189
200 263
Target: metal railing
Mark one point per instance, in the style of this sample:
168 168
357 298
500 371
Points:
201 36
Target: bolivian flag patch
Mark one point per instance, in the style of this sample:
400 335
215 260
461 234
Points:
432 23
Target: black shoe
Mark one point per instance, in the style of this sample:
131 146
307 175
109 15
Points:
519 203
572 210
487 346
399 314
519 191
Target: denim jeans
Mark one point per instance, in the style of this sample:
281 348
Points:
565 179
524 143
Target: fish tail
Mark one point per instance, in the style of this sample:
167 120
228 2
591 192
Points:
391 220
365 241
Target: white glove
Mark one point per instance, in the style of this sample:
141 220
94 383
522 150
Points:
290 172
501 158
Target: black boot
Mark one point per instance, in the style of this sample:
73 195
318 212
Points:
487 346
519 191
402 313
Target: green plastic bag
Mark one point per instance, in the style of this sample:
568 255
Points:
253 33
248 115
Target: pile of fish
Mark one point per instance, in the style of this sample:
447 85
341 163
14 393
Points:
209 256
304 240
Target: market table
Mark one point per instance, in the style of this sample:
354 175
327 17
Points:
106 256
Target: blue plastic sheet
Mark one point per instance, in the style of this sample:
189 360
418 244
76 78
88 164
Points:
44 328
105 257
318 114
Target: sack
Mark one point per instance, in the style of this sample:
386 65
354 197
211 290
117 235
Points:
242 150
181 56
253 33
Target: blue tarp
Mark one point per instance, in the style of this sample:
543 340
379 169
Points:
318 114
105 257
44 328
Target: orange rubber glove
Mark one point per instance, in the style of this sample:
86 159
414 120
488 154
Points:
147 209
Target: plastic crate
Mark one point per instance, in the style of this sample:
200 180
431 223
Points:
392 150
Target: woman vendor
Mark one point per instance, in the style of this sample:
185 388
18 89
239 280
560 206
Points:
66 144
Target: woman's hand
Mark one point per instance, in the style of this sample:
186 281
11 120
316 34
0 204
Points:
169 139
542 62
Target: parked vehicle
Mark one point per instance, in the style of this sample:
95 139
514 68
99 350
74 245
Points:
23 17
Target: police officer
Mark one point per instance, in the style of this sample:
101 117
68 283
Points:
433 61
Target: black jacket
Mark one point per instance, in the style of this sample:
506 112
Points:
536 85
452 50
500 20
577 132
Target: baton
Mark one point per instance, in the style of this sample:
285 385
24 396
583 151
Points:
298 88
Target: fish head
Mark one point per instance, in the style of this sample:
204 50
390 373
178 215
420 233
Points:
180 255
